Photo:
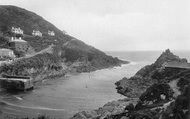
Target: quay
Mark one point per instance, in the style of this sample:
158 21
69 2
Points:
22 83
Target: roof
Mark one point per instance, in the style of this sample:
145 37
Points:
18 40
5 50
15 79
182 65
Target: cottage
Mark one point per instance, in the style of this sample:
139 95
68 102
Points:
36 33
51 33
64 32
15 39
17 30
6 53
19 45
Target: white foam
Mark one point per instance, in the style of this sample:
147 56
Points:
19 98
133 63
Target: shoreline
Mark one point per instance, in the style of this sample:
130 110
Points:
74 74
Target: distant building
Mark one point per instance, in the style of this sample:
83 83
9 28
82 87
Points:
51 33
19 45
64 32
15 39
17 30
6 53
36 33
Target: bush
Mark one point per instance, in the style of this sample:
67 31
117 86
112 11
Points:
40 61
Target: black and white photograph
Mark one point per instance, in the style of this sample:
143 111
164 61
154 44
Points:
94 59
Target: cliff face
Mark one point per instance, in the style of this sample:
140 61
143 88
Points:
67 49
148 75
165 95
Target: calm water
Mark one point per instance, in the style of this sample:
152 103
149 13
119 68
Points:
86 91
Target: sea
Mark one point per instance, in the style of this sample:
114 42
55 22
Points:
65 96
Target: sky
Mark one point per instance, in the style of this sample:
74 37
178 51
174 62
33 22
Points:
118 25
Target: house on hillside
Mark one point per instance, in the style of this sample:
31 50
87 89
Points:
19 45
6 53
15 39
64 32
17 30
51 33
36 33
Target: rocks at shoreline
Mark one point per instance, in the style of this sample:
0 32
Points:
111 108
173 108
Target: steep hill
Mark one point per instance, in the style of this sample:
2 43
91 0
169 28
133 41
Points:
65 47
12 16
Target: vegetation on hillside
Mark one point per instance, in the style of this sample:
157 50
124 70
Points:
67 48
32 66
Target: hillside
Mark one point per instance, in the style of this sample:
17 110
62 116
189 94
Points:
66 48
12 16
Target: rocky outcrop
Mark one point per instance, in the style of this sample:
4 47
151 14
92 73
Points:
148 75
159 101
167 108
109 109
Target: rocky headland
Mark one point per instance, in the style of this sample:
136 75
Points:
157 91
150 74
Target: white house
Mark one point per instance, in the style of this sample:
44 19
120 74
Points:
36 33
15 39
17 30
51 33
6 52
64 32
